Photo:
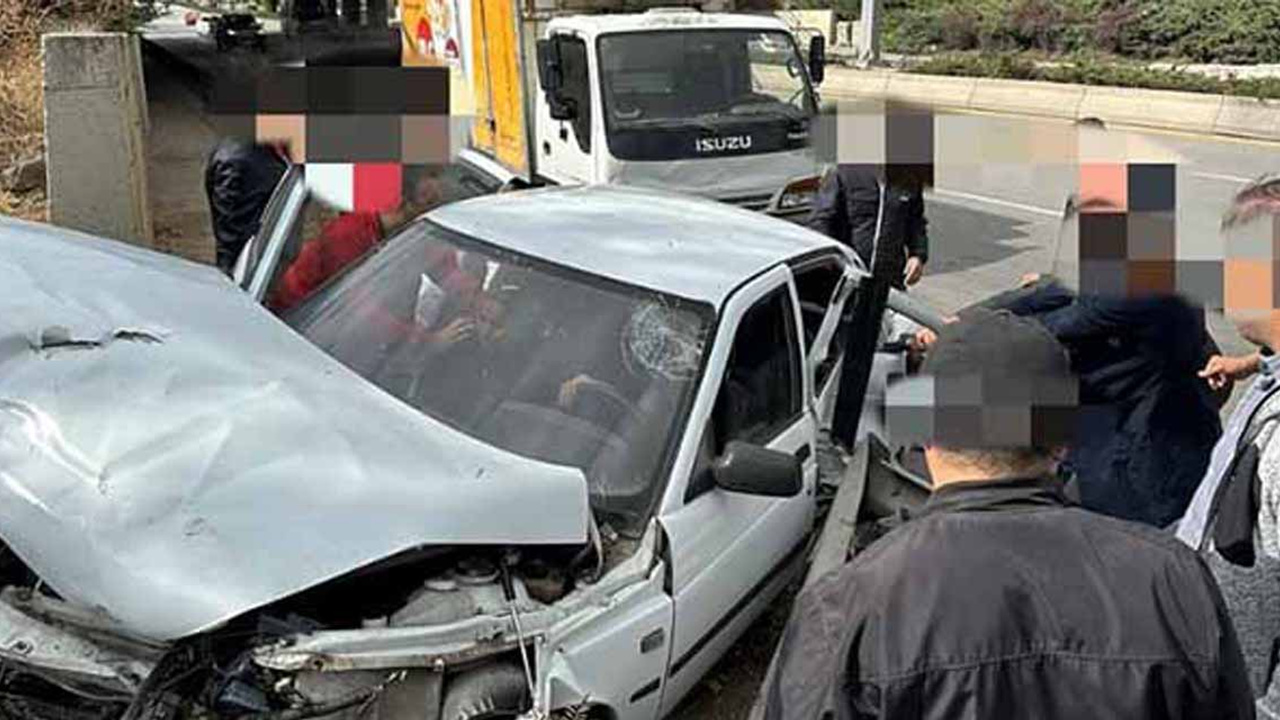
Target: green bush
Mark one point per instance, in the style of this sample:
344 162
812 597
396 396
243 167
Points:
1227 31
1086 70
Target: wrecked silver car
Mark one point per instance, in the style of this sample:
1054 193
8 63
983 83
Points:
541 454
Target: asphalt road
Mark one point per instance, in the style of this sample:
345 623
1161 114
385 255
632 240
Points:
994 214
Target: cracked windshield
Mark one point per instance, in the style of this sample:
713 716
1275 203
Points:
540 360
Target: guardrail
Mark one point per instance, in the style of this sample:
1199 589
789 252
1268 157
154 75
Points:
1159 109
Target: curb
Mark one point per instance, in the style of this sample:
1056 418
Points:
1198 113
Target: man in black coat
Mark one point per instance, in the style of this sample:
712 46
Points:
880 214
1147 422
1002 599
238 181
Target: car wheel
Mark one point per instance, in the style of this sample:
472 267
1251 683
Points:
492 692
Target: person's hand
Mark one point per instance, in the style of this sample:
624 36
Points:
1222 369
912 272
1028 279
569 389
925 337
453 333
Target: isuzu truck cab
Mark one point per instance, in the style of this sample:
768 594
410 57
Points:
713 104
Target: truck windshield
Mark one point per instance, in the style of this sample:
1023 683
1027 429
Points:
703 83
537 359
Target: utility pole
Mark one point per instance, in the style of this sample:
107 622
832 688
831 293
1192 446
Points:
869 50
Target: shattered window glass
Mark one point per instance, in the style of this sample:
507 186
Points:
537 359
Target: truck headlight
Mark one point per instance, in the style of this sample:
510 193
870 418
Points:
798 194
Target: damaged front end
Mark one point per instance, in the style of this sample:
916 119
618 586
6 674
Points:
479 637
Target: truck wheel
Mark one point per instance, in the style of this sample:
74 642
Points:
492 692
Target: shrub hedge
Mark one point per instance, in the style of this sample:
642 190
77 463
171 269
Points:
1092 71
1225 31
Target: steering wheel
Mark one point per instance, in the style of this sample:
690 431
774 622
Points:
605 392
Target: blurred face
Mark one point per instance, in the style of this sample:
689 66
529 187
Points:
1119 237
1251 240
488 314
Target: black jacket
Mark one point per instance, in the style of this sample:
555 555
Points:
238 180
848 205
1147 423
1003 601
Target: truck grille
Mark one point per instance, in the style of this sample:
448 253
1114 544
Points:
751 202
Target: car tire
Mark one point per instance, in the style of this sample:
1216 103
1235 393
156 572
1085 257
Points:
492 692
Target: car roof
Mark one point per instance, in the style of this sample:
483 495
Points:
689 247
677 19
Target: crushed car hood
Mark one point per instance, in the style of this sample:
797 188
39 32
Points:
172 455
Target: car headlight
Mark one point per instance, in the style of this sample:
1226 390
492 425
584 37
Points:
798 193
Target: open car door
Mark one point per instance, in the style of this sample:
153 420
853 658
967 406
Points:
261 255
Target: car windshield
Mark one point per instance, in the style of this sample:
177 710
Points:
537 359
701 77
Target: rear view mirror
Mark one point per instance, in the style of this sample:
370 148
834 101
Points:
817 59
753 470
551 78
548 66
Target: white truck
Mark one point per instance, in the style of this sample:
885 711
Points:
713 104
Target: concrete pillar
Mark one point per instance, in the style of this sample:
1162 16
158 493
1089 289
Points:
94 127
869 52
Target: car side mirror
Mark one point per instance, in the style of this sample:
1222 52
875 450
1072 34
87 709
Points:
551 78
754 470
817 59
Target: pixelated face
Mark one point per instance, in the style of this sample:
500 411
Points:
356 129
1118 234
1251 253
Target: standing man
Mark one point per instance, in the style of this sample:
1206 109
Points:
1002 600
238 181
880 215
1234 516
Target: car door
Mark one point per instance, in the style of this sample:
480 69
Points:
264 248
292 215
729 552
824 286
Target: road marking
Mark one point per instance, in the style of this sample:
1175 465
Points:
1218 176
1036 210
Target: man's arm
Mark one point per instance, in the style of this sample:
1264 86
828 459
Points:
809 663
827 216
1041 297
917 227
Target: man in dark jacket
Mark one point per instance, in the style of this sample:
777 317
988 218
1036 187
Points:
880 215
238 181
1147 423
1002 600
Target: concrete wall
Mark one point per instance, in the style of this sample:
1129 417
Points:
1161 109
95 122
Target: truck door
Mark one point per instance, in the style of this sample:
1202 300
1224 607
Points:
564 146
730 552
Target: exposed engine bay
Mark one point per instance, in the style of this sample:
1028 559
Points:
351 647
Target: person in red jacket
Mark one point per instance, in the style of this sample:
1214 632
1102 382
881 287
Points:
342 241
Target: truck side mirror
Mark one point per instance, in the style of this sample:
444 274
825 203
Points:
548 66
551 78
754 470
817 59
